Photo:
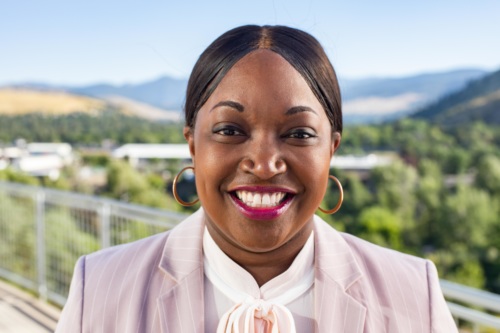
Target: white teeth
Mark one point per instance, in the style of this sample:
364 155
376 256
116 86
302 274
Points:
266 200
256 199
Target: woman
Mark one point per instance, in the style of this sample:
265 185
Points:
263 120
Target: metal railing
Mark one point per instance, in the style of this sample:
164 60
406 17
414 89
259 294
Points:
479 299
43 232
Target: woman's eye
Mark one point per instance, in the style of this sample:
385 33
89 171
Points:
228 131
301 135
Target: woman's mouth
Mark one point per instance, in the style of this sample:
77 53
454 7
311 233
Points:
262 204
260 200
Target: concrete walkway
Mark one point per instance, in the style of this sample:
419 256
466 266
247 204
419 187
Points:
20 312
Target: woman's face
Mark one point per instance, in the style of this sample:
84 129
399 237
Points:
261 148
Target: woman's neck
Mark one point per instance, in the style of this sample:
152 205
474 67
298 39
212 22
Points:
266 265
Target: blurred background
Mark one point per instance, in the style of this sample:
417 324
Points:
91 97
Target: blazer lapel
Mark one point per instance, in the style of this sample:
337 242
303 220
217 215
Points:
336 271
181 305
181 302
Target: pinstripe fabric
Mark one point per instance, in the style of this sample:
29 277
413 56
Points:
152 285
361 287
156 285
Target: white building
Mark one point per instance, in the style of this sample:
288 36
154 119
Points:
42 165
136 152
360 163
63 150
38 159
11 153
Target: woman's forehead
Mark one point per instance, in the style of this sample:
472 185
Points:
264 71
263 84
262 59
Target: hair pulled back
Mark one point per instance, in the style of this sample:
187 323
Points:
299 48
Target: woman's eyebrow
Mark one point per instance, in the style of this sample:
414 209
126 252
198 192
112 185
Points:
232 104
297 109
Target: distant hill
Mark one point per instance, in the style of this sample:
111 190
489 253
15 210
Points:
19 101
432 85
479 100
364 100
23 101
382 99
143 110
164 93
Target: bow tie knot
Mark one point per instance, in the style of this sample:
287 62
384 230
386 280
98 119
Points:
262 308
257 316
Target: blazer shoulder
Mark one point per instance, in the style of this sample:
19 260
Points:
145 249
143 257
404 283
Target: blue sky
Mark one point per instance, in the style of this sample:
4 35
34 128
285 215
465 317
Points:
121 41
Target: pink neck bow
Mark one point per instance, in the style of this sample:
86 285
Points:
257 316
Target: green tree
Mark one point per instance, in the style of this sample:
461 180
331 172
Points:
395 187
17 235
10 175
127 184
357 195
457 161
66 242
468 217
395 190
488 174
458 264
381 226
429 193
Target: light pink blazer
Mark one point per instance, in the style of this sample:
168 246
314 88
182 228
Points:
156 285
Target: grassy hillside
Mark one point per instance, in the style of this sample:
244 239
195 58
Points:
55 116
87 129
484 108
478 101
22 101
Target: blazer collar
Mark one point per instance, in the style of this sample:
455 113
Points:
336 273
181 305
182 262
183 252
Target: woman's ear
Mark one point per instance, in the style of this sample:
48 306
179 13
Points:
336 138
189 135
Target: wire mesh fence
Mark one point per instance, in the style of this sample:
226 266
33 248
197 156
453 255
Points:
43 232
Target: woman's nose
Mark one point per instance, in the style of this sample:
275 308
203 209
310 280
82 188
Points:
263 159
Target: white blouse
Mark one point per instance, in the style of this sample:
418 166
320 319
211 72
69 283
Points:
227 284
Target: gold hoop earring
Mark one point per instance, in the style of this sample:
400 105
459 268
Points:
341 197
174 189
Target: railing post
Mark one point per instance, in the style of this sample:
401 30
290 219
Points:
40 243
105 225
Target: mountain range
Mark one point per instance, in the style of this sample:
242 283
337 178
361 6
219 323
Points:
165 92
478 100
383 99
364 100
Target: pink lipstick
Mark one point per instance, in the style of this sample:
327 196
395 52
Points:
261 203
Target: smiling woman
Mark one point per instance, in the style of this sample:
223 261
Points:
263 121
260 134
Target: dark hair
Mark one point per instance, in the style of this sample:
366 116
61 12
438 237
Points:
299 48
